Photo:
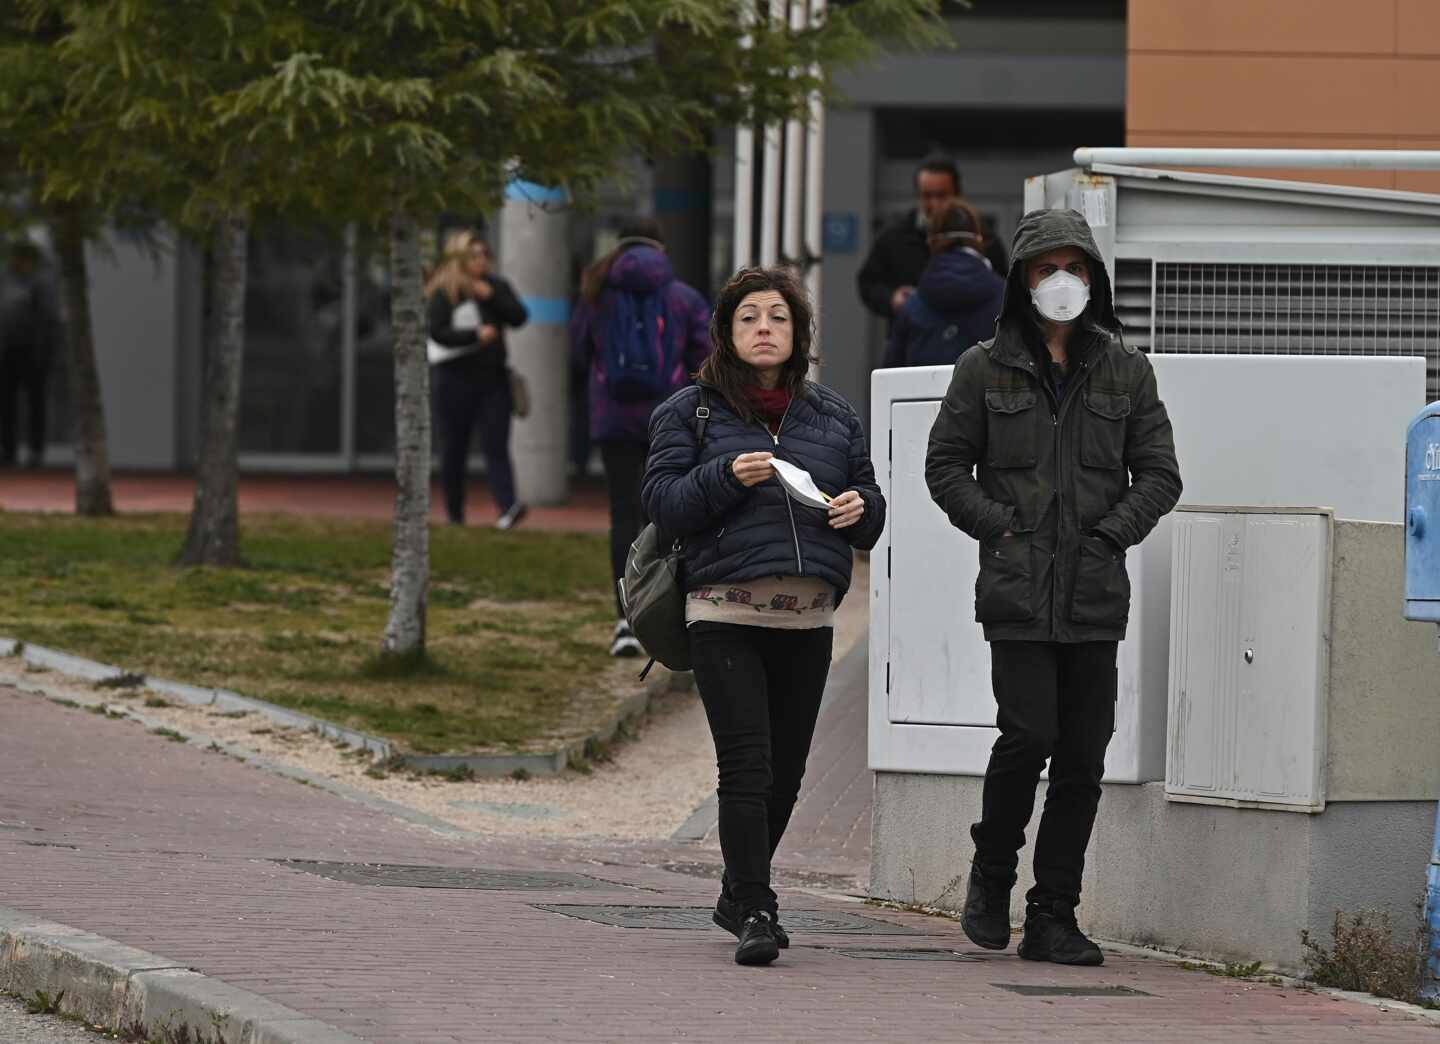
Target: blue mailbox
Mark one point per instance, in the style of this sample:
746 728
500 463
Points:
1422 516
1422 602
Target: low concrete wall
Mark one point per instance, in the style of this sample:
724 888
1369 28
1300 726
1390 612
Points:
1237 884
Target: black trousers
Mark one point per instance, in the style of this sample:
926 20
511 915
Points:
469 395
1056 701
761 687
624 468
26 372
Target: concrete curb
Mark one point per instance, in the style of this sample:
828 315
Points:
109 984
540 763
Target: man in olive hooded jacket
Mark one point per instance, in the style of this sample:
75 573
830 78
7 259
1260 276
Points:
1054 451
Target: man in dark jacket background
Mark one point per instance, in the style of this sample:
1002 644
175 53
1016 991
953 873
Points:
901 251
29 338
1054 451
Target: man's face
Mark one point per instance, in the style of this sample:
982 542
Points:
1064 259
936 190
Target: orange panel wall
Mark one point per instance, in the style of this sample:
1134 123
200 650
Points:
1288 74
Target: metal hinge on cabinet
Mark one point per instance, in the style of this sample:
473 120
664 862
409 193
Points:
887 677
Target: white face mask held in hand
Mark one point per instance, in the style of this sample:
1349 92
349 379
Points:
1060 297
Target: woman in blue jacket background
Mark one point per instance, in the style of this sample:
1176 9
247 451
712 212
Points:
763 572
957 300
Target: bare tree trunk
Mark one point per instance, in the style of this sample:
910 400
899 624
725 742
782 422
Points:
92 450
214 537
410 561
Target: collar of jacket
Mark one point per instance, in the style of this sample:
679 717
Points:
807 392
1011 347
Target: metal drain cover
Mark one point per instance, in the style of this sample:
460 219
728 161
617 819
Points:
779 875
393 875
910 955
693 918
1070 991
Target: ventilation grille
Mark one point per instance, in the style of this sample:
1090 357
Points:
1133 300
1277 309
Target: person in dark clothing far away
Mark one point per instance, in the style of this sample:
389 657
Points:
1054 451
958 298
901 251
639 334
29 337
763 572
467 310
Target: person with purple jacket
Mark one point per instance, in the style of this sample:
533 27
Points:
636 280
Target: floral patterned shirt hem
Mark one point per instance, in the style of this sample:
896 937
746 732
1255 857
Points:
788 602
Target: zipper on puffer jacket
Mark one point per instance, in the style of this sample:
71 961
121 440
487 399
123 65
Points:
789 507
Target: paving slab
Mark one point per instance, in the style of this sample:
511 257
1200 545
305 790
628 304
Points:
180 853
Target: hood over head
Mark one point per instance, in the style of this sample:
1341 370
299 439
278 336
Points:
958 281
1040 232
640 269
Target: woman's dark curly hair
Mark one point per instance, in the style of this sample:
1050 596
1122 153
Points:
724 370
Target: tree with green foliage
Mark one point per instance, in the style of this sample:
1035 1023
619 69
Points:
35 127
392 112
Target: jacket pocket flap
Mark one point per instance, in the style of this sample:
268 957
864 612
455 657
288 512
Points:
1009 401
1112 405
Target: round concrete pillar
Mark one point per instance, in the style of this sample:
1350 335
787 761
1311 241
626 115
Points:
535 257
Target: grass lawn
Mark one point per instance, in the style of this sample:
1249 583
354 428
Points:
518 624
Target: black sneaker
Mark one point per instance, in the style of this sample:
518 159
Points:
987 911
727 916
757 939
1051 934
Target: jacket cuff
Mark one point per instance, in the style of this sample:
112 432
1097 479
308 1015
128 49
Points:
1110 537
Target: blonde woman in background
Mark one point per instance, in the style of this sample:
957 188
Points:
467 310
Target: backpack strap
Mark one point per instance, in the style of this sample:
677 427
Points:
702 416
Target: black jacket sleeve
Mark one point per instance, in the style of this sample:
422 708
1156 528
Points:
876 279
437 323
957 445
504 305
866 532
1154 472
680 495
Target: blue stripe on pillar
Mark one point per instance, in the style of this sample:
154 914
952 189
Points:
530 192
547 309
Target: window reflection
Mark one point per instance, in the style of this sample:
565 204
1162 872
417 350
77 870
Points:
291 384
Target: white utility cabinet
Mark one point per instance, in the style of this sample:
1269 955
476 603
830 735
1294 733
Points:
1249 654
1267 431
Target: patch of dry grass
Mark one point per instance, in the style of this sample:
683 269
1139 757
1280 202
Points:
518 622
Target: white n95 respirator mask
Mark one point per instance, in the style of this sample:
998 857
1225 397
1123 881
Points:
1060 297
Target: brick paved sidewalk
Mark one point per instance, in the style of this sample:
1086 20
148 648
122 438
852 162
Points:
171 849
348 496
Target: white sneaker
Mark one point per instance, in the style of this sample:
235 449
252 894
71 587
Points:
624 643
512 518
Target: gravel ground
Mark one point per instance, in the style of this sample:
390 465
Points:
645 792
17 1027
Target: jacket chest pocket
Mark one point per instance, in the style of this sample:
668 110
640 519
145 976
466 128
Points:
1102 434
1011 419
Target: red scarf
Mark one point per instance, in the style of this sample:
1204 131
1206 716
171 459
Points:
770 403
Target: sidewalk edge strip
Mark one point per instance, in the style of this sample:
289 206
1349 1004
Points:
107 983
539 763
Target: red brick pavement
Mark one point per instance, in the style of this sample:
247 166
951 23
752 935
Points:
349 496
171 853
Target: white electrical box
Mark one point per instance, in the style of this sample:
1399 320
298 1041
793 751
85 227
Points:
1249 653
1268 431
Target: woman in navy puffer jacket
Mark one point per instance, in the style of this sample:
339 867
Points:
763 571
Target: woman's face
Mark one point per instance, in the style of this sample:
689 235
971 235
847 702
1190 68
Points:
762 330
477 260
